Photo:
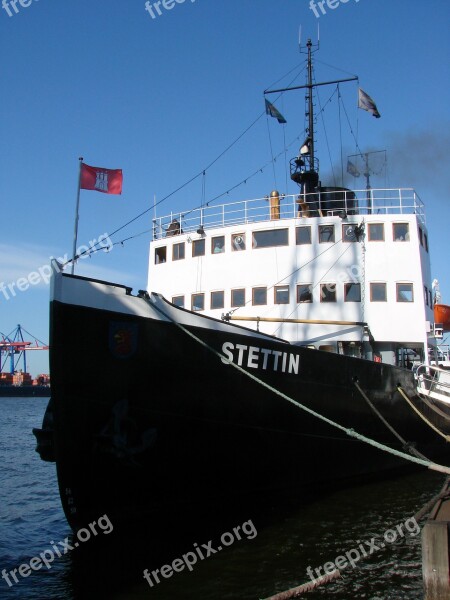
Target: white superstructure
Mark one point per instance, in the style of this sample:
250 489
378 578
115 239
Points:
359 257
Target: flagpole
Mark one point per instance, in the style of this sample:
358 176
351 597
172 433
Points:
75 235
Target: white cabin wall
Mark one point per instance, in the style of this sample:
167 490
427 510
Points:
389 261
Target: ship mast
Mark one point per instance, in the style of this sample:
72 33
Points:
310 103
305 167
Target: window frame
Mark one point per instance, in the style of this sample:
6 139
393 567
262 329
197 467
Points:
397 291
259 288
346 288
198 243
211 299
304 227
199 294
163 250
304 285
213 241
237 247
345 238
174 299
267 233
322 228
407 234
179 245
279 288
369 229
374 283
233 291
323 297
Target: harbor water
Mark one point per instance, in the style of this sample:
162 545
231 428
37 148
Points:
268 547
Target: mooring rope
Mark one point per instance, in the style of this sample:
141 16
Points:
348 431
435 408
311 585
405 444
423 417
305 587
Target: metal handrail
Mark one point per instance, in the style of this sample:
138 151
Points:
383 201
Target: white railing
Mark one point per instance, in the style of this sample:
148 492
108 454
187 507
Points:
433 382
353 202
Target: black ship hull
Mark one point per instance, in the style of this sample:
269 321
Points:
149 414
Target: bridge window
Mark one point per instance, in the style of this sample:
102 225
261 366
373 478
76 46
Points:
198 247
425 241
376 232
328 292
405 292
425 294
400 232
304 293
178 251
198 301
303 235
217 299
238 297
282 294
218 244
160 255
348 233
270 238
378 292
178 301
238 241
326 233
352 292
259 296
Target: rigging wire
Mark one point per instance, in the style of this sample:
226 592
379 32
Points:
271 153
93 249
340 134
186 183
261 169
231 312
325 130
316 60
318 281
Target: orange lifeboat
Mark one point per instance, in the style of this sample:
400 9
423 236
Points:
442 315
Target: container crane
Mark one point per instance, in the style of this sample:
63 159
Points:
14 347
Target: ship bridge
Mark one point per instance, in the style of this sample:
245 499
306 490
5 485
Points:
342 270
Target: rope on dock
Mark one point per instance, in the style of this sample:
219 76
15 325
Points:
438 431
348 431
306 587
405 444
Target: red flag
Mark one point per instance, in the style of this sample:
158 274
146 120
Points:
108 181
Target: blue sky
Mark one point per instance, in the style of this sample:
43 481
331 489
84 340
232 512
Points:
162 97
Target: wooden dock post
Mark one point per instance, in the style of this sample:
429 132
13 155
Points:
436 551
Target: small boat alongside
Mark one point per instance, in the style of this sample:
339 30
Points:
442 315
